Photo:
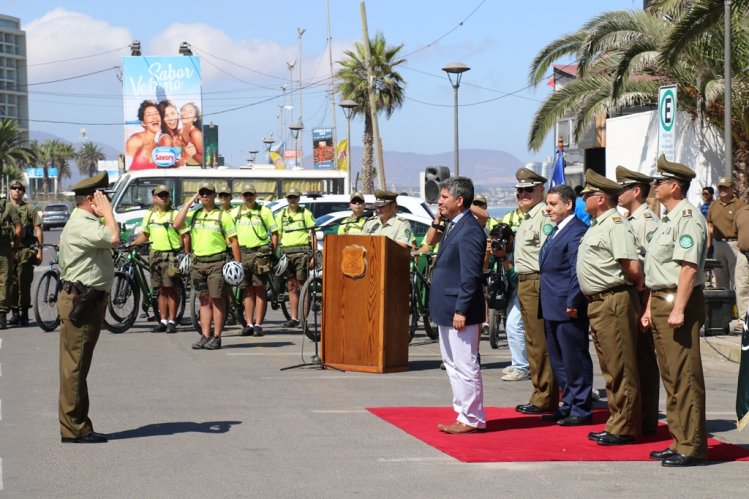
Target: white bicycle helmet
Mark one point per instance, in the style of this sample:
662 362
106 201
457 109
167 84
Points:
185 264
281 266
233 273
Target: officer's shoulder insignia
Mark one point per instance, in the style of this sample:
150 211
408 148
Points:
616 219
650 235
407 232
547 228
687 213
686 241
647 214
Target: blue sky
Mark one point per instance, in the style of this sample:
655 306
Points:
245 46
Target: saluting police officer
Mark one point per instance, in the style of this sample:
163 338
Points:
87 272
298 241
635 189
257 235
608 271
387 222
26 256
210 229
353 224
10 238
674 273
532 232
165 244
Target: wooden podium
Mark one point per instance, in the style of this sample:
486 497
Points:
365 304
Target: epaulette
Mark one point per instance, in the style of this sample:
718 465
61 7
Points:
687 213
616 219
647 214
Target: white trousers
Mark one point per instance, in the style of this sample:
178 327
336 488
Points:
460 355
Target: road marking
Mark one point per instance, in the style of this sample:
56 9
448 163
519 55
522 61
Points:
1 474
412 459
339 411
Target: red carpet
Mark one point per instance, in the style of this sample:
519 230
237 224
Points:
513 437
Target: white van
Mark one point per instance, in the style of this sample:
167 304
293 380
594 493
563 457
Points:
329 203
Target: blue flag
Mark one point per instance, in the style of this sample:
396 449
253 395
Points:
559 162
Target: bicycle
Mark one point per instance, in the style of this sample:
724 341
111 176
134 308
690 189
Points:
234 304
130 284
496 298
310 302
418 299
46 292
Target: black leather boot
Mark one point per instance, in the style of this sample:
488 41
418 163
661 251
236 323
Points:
24 319
3 321
14 318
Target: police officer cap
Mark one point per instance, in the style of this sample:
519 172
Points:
224 190
479 199
722 182
381 195
293 191
207 185
249 189
528 178
17 183
90 185
159 189
669 170
625 176
357 195
595 182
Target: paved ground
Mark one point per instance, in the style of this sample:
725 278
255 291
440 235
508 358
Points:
229 423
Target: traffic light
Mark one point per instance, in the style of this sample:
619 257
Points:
433 175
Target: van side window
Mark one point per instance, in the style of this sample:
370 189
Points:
137 195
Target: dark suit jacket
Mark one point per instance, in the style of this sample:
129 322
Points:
457 274
559 288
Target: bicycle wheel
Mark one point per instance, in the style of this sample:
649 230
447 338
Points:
413 312
194 301
275 291
45 301
310 318
495 323
181 301
122 309
430 328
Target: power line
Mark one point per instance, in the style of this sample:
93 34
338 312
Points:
460 24
64 79
79 58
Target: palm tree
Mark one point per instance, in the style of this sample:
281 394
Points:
388 88
15 152
48 157
63 154
88 157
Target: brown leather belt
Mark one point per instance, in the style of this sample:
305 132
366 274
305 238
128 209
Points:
667 291
725 239
600 296
528 277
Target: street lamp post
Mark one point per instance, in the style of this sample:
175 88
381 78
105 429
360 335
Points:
348 107
253 153
295 129
457 69
268 144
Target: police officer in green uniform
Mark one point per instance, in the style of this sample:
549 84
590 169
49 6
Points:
387 222
257 235
530 236
353 224
10 238
165 245
674 273
26 256
298 242
608 271
210 229
87 272
635 189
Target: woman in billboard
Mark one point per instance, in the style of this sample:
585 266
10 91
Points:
140 145
191 133
170 132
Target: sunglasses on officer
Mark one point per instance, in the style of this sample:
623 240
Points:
206 192
163 195
16 188
527 190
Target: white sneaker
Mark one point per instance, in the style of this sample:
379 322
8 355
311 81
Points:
508 370
516 375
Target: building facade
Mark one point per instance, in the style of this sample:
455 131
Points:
14 98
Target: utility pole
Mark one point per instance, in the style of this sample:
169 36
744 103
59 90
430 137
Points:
727 125
301 145
379 166
331 90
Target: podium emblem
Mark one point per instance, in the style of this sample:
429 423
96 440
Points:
354 261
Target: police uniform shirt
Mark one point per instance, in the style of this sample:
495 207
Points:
293 228
721 216
608 240
644 222
161 233
532 232
352 225
680 236
28 217
209 231
254 225
9 217
86 251
397 228
741 226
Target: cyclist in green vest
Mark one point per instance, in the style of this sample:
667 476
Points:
210 227
353 224
26 256
258 239
166 242
298 242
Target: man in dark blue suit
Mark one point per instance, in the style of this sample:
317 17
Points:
456 303
564 310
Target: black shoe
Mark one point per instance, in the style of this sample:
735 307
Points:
258 331
651 431
3 321
247 330
660 455
574 421
553 417
14 318
159 328
200 344
291 323
595 435
91 438
214 343
171 327
611 439
531 409
679 460
24 319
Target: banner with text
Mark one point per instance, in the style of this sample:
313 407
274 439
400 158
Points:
323 151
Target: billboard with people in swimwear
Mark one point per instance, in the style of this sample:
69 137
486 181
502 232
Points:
162 106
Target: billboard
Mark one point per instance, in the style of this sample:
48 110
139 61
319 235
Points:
163 111
323 151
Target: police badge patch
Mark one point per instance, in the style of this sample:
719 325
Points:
686 241
547 229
